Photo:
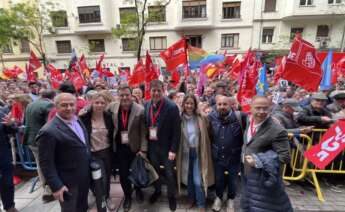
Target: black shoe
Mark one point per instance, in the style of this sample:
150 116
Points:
155 197
139 196
127 204
172 203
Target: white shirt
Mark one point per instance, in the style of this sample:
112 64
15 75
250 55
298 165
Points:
253 128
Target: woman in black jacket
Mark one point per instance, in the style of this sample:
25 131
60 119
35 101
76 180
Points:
99 125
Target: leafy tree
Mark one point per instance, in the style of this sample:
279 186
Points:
135 20
33 21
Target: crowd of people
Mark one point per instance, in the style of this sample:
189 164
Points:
207 137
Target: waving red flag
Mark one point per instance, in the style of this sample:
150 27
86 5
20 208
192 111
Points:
150 74
238 65
56 77
302 63
247 85
12 73
77 80
83 66
138 75
34 62
30 75
175 55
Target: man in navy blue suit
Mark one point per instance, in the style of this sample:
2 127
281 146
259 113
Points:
164 125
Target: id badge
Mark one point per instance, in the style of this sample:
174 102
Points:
153 133
124 137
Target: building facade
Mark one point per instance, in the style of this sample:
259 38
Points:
214 25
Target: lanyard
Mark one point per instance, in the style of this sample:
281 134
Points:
155 116
252 128
124 115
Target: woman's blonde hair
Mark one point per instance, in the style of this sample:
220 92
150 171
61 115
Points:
106 95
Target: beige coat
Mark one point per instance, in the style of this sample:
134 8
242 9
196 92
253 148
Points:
136 126
204 154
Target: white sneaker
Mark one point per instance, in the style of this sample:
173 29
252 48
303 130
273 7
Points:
230 206
217 204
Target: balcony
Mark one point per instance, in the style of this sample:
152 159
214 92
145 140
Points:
194 14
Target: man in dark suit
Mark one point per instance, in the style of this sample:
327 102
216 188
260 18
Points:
164 130
36 115
64 155
129 138
262 134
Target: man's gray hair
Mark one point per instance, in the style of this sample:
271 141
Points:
60 96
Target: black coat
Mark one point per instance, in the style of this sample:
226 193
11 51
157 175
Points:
310 117
64 159
86 119
263 189
5 146
169 127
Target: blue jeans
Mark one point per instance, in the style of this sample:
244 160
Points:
230 179
195 188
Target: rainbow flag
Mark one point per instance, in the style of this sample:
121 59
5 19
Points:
195 55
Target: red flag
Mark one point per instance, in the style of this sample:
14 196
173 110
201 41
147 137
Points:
12 73
77 80
175 78
247 85
83 66
34 62
55 76
331 144
302 63
239 65
99 67
17 112
279 70
138 75
150 74
175 55
30 76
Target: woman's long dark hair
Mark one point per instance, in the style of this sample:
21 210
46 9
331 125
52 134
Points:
193 97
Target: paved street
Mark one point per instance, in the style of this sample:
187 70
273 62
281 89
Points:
302 197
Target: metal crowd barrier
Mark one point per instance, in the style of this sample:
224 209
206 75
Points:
301 169
26 159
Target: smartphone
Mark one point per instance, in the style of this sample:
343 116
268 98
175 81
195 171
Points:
67 196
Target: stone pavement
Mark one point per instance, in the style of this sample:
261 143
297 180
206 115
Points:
302 197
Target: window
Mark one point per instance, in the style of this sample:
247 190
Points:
231 10
270 5
63 46
96 45
334 1
90 14
127 15
157 14
158 43
230 40
294 31
129 44
194 40
194 9
59 18
322 31
267 35
306 2
7 49
24 46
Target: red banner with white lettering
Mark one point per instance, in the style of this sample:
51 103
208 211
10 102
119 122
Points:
175 55
332 144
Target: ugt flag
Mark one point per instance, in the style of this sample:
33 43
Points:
302 63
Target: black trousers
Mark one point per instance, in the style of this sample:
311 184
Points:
157 158
78 201
125 157
104 158
6 178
